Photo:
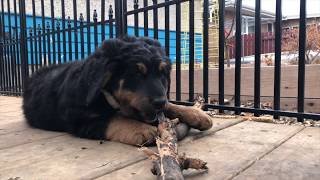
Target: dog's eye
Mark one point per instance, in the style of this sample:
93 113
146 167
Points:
137 74
162 67
142 68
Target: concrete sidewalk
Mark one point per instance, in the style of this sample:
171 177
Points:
234 149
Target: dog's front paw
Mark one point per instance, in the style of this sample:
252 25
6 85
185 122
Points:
196 118
131 132
193 116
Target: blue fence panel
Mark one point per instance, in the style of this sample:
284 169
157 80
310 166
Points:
161 35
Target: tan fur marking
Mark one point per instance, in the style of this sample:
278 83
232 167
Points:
162 65
110 98
142 68
121 83
129 131
107 76
125 96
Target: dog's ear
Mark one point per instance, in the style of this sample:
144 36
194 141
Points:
96 87
100 78
102 66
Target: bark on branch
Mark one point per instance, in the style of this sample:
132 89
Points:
167 163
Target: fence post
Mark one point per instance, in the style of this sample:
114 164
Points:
118 16
23 42
1 53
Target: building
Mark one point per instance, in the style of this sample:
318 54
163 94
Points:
248 19
292 22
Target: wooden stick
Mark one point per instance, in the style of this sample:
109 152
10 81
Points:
167 164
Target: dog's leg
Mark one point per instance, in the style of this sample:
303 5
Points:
193 116
129 131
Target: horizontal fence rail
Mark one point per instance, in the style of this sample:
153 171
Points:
61 32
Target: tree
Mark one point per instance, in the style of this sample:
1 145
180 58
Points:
290 43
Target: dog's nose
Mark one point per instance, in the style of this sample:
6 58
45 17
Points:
159 103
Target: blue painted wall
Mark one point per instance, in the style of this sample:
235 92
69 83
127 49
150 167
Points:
161 35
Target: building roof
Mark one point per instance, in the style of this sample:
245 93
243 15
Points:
249 11
315 15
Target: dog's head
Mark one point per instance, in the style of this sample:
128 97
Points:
136 77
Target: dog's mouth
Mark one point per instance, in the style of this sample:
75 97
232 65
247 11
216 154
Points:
152 118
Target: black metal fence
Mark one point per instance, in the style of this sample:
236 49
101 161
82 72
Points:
27 46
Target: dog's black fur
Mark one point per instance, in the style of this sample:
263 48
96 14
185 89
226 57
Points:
69 97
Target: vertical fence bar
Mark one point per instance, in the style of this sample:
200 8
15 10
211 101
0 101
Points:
48 43
178 51
167 28
5 73
88 27
118 18
17 46
31 35
10 58
191 50
155 19
257 57
1 54
277 58
4 80
221 52
44 32
238 50
11 63
7 66
120 15
136 18
40 46
14 62
302 58
103 24
63 26
206 50
59 42
124 18
81 36
35 33
95 29
5 63
145 19
23 42
53 33
75 34
110 22
69 39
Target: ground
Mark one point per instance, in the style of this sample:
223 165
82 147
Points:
233 148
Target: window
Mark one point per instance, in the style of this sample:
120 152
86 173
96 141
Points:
251 29
244 26
247 25
270 27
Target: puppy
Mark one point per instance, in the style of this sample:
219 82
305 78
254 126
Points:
115 94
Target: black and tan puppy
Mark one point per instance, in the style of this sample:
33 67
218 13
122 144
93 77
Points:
114 94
